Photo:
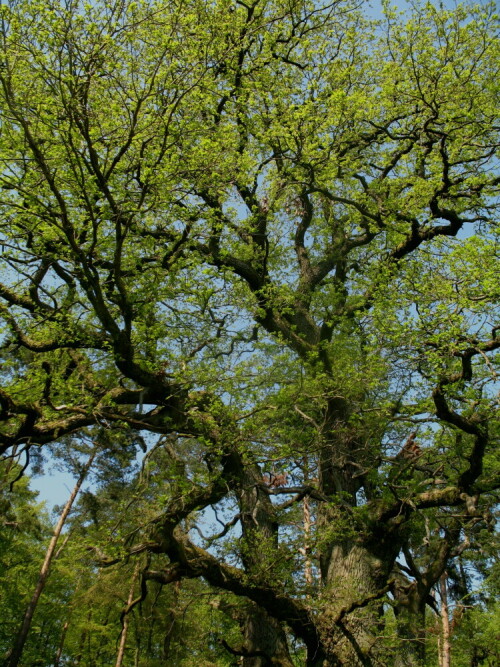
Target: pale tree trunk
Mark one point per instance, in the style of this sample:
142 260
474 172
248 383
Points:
124 632
355 581
22 635
307 526
445 652
61 644
308 574
64 631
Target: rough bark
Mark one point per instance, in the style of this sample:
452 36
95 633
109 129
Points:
356 557
410 620
264 638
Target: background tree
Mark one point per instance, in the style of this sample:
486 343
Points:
266 232
50 554
22 531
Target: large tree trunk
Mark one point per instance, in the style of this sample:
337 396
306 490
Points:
355 580
264 635
356 555
264 638
409 610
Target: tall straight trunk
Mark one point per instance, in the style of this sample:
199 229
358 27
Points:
308 573
124 632
307 524
64 631
22 635
445 652
61 644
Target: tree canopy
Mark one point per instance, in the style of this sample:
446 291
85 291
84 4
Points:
258 241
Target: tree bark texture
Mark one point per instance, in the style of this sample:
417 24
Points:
356 557
409 610
264 638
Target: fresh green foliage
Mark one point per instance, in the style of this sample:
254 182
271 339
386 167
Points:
257 240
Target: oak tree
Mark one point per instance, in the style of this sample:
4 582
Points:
261 236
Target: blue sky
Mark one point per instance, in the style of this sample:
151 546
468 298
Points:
54 486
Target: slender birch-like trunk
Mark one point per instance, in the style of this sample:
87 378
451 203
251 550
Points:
308 574
61 644
445 652
124 632
22 635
